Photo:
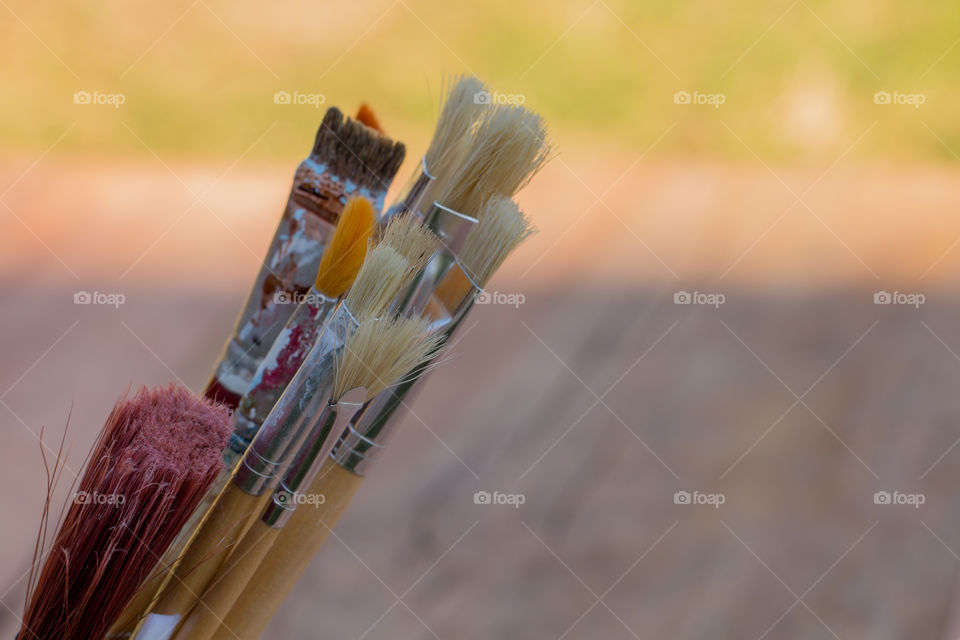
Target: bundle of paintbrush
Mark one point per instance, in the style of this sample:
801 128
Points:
346 316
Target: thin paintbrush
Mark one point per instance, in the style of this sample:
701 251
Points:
501 229
379 352
153 461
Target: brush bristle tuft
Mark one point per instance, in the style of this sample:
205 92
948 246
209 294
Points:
411 239
344 256
380 352
383 273
501 229
356 152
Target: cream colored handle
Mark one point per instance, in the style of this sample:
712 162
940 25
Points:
227 520
229 582
289 556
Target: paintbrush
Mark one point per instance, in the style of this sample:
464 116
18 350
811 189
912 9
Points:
338 268
348 158
501 229
377 354
459 113
153 461
366 116
382 275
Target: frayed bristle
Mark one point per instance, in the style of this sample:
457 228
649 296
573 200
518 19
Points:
380 352
383 273
366 116
411 239
508 149
356 152
156 457
502 227
344 255
459 114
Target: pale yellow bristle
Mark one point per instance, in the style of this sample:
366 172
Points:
502 227
460 112
408 237
380 352
382 275
344 255
508 148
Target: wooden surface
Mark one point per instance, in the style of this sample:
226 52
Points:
597 399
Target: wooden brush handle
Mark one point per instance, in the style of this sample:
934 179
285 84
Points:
227 520
229 582
296 545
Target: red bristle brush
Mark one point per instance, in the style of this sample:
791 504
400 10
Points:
155 458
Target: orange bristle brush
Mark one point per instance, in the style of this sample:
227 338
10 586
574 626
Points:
152 463
365 115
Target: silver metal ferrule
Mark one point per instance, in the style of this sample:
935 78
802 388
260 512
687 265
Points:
291 419
327 429
452 228
277 369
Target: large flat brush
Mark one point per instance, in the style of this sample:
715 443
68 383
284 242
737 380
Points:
152 463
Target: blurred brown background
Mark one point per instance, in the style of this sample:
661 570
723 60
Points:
794 189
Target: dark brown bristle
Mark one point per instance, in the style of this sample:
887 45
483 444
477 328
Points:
155 458
356 152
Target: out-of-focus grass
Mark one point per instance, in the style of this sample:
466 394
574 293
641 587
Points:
199 76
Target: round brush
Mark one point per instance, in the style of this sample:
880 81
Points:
377 353
156 456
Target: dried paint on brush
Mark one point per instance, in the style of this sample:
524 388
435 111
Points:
156 456
348 158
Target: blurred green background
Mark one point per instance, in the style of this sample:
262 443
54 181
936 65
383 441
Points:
199 76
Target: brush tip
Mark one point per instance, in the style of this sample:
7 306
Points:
345 254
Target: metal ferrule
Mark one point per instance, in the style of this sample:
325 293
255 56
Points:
417 186
277 369
292 418
452 228
329 425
